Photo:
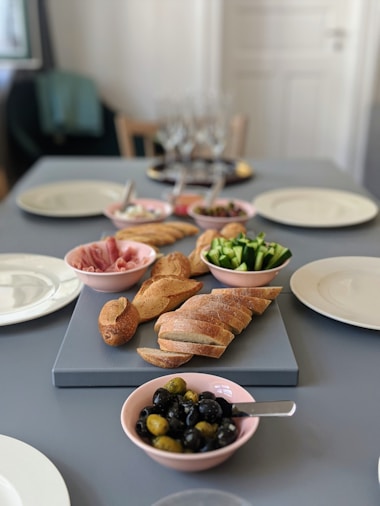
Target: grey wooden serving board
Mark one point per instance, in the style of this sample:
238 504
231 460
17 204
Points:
260 356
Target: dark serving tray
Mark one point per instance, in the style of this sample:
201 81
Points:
201 172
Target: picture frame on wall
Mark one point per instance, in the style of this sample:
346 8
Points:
20 41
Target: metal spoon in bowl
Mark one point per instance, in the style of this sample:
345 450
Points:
127 196
264 408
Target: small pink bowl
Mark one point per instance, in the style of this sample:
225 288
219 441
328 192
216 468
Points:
235 278
199 382
113 281
164 208
216 222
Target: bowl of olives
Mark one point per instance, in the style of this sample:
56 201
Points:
220 213
181 421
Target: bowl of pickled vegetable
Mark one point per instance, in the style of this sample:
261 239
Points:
181 420
220 213
245 261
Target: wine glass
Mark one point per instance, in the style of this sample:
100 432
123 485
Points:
169 128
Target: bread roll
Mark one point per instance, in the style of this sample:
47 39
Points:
175 263
118 321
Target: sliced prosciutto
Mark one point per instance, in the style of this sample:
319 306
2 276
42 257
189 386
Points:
106 257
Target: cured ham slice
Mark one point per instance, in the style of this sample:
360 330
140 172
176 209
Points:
107 257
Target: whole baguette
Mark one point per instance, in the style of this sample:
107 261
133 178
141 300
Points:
164 359
195 331
204 350
117 321
263 292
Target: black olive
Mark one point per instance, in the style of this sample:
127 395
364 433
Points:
209 445
225 405
192 439
206 395
162 398
210 410
193 416
175 410
176 427
226 434
141 428
148 410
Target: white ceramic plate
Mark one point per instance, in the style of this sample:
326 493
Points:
315 207
342 288
27 477
34 285
70 199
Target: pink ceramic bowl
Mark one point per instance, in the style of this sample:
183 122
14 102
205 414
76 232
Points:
163 210
199 382
142 256
216 222
232 277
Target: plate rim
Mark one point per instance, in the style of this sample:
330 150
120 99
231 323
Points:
373 208
311 304
71 213
16 316
30 458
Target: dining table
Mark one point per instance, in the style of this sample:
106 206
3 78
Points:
327 453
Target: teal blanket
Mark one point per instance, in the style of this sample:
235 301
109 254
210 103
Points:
68 104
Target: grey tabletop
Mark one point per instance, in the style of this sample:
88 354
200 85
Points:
326 453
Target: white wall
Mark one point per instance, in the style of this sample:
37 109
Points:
134 49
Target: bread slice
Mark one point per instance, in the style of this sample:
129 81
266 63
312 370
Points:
263 292
164 359
117 321
159 294
255 304
190 315
204 350
195 331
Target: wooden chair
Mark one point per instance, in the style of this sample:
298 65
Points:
130 131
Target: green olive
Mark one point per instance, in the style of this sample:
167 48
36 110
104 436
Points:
207 429
157 424
176 386
168 444
190 395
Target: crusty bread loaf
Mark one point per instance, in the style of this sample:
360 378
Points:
263 292
158 234
174 263
232 230
118 321
195 331
238 317
197 266
159 294
256 305
191 314
204 350
164 359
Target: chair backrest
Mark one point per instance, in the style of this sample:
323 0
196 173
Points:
236 145
128 130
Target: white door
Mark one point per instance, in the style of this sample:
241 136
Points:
292 66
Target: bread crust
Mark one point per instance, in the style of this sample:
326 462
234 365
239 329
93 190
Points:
195 331
262 292
117 321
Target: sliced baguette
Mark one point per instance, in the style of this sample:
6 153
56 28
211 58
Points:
190 315
164 359
174 263
263 292
195 331
204 350
255 304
